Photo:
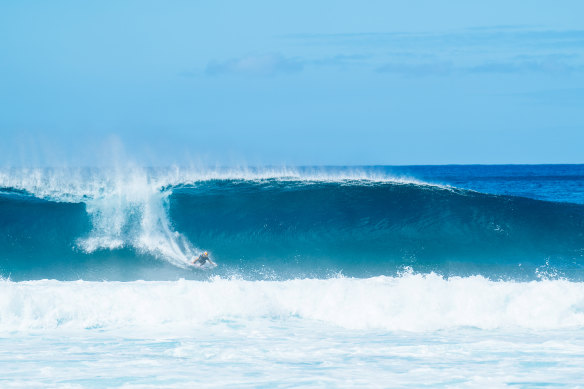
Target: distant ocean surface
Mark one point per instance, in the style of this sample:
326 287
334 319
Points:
379 276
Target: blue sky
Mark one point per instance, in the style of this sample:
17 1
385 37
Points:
295 82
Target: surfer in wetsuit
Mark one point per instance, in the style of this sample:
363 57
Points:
203 259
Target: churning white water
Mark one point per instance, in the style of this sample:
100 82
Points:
378 332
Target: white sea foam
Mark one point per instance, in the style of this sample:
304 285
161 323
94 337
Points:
411 302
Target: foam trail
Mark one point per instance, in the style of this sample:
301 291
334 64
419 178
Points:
133 211
411 302
127 207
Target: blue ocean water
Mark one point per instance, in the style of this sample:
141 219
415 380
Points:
327 276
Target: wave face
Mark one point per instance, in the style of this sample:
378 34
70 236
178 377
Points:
148 224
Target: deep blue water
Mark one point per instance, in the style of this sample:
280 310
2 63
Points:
509 222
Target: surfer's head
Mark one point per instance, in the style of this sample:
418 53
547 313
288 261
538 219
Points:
205 253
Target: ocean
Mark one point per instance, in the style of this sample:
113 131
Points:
371 276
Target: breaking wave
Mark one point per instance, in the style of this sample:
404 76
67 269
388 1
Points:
274 224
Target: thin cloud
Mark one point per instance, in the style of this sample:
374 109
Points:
546 65
550 66
417 69
404 64
255 65
484 50
504 36
342 61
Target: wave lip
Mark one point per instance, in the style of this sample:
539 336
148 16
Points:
412 302
77 184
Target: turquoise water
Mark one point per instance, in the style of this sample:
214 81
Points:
464 276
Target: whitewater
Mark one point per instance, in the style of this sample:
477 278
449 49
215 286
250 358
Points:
458 276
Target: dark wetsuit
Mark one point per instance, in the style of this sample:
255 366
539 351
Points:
202 259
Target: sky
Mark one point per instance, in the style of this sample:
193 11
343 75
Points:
291 82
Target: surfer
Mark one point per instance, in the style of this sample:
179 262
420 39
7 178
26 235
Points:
203 259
